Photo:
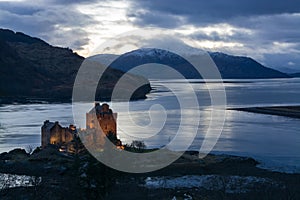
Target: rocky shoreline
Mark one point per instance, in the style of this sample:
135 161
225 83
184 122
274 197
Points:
80 176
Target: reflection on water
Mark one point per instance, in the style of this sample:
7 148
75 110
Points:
273 139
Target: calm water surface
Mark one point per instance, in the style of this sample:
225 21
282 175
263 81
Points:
273 140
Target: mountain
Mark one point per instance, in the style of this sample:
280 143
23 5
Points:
31 68
230 67
243 67
285 69
295 75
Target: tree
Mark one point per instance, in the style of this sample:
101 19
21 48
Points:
29 149
140 145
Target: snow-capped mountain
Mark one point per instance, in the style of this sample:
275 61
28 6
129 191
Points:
233 67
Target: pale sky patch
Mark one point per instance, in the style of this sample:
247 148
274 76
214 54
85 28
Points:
110 20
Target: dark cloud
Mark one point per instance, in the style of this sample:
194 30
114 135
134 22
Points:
56 24
260 29
70 2
267 30
19 9
269 21
277 27
201 12
156 19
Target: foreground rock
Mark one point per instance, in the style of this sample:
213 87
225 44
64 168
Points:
65 176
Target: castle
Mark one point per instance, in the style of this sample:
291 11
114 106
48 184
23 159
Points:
54 133
99 119
102 115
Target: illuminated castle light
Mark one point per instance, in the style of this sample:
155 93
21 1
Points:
101 122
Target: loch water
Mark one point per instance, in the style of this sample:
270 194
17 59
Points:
272 140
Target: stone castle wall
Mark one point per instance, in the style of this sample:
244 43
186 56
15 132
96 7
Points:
100 122
53 133
104 117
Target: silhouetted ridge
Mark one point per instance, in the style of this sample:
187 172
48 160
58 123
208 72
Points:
31 68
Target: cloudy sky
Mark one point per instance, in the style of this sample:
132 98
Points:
266 30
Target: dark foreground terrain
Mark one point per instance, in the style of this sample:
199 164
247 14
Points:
80 176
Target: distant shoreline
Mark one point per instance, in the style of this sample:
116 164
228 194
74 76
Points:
32 100
287 111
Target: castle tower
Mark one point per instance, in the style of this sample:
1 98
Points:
103 116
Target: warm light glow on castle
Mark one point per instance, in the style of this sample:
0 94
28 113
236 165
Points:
101 122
